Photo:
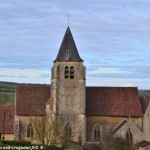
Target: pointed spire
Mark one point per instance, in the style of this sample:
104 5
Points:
68 51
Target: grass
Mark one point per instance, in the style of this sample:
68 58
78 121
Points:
9 91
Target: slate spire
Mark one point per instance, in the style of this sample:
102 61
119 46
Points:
68 51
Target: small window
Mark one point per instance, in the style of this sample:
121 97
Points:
30 130
66 73
97 133
71 72
129 136
68 131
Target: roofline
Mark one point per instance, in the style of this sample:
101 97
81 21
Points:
111 87
25 115
132 116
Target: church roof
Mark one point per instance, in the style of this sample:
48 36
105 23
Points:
68 50
100 101
31 100
113 101
8 110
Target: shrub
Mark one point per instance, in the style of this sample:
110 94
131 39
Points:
54 148
18 143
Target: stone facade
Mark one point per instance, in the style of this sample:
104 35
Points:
137 134
106 123
147 124
24 122
68 96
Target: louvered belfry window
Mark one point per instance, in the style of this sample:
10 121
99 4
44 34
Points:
71 72
66 73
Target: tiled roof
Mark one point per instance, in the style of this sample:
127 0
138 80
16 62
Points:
8 112
100 101
113 101
31 100
144 104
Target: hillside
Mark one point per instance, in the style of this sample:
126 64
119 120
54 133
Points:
7 92
145 93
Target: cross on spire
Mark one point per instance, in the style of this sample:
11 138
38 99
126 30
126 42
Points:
68 19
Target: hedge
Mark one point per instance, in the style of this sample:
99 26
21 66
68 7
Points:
28 143
18 143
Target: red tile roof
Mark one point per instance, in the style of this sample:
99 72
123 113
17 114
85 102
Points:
8 112
31 100
101 101
113 101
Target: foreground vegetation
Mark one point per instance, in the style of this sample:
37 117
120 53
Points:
26 144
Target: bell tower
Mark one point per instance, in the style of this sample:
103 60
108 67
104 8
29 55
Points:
68 88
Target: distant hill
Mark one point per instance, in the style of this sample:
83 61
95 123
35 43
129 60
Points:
15 83
5 82
7 89
145 93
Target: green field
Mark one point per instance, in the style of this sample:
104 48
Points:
7 93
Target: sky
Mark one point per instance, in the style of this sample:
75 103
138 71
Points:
112 37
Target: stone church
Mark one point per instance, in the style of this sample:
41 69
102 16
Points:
89 111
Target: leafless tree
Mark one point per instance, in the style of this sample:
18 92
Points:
52 133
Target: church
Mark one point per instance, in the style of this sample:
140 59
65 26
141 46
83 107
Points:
86 111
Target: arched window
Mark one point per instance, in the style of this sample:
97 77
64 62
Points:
97 133
30 130
68 131
66 73
129 136
71 72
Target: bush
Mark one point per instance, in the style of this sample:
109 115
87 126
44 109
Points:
18 143
28 143
54 148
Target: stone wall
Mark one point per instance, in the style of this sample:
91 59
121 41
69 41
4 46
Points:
24 121
147 124
68 96
9 136
137 134
106 123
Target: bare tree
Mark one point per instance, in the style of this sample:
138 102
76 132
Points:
45 132
109 142
57 132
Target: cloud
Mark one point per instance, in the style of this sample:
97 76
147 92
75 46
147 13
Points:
113 34
108 70
119 82
25 75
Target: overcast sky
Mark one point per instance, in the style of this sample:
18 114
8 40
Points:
112 37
